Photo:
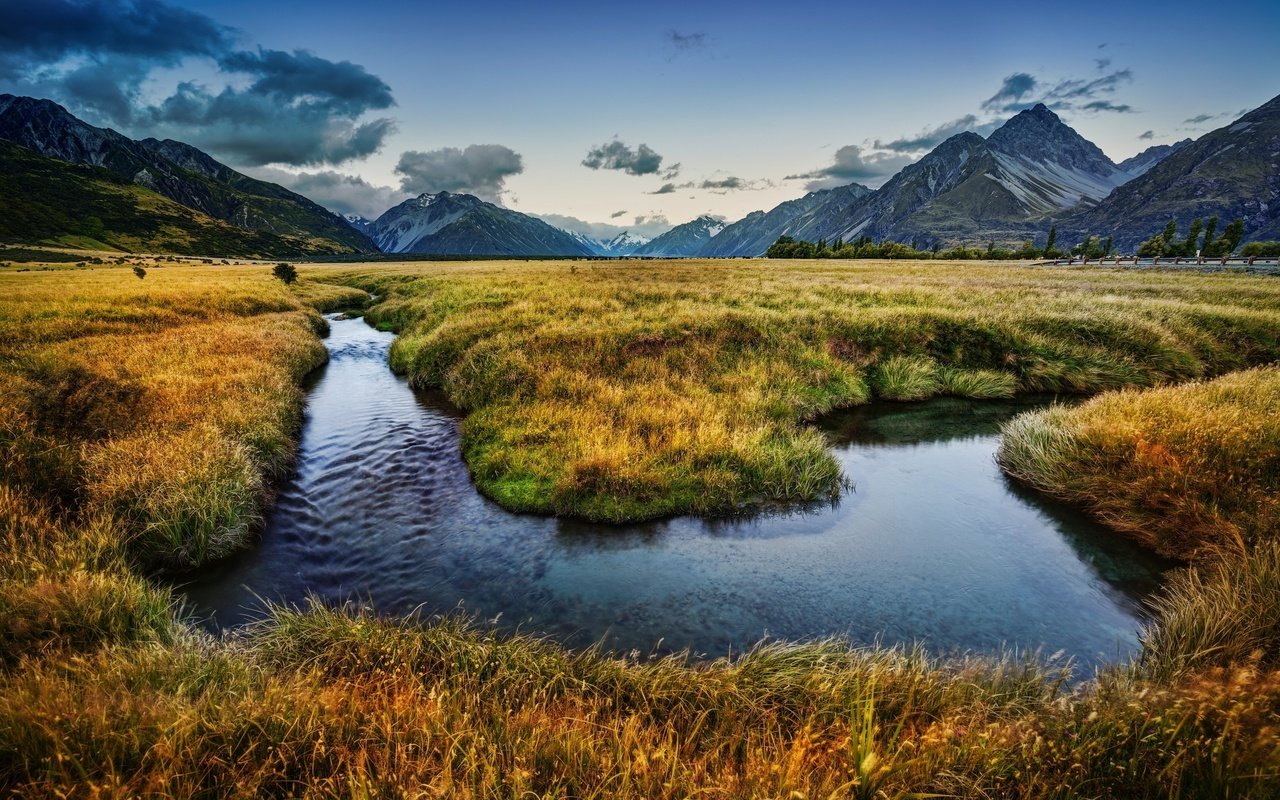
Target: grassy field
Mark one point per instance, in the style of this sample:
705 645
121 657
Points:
624 391
142 423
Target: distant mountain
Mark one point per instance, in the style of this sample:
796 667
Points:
358 222
1233 172
1148 158
460 224
48 201
970 189
624 244
682 240
183 174
752 235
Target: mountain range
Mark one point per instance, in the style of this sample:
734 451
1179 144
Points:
1030 174
220 210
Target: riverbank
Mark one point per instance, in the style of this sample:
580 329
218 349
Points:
621 392
140 420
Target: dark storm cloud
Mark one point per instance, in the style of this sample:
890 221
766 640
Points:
47 31
479 169
666 188
299 109
854 163
1145 135
617 155
294 108
342 87
617 214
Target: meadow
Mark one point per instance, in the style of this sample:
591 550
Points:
144 421
625 391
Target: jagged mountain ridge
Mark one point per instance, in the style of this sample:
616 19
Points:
682 240
48 201
1232 172
180 172
1139 164
753 234
974 189
966 189
445 223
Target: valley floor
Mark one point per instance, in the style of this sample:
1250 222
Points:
143 421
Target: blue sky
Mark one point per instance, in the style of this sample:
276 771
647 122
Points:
739 105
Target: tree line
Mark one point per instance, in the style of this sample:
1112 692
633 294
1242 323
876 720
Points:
1200 238
1198 241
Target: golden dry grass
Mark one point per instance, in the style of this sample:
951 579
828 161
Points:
622 391
140 422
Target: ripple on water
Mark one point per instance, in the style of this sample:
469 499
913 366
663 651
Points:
934 544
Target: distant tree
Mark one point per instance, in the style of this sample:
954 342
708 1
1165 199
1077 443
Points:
937 247
1048 245
285 272
1107 245
139 272
1166 238
1190 245
1260 249
1231 236
1209 230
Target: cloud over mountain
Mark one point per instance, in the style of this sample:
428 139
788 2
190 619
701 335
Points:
336 191
478 169
853 163
275 107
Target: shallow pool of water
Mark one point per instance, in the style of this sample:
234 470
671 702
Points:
932 544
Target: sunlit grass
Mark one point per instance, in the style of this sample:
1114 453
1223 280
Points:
1182 468
143 421
623 391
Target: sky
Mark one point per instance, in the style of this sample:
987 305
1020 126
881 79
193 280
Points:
605 117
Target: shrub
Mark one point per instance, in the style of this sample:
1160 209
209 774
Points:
285 272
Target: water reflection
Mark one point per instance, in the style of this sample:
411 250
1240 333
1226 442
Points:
932 545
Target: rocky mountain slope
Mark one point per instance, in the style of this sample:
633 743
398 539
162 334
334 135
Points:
181 173
1139 164
460 224
1232 172
682 240
966 190
752 235
48 201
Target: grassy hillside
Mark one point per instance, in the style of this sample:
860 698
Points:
46 201
140 422
633 390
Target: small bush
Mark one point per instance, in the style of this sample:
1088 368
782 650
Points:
285 272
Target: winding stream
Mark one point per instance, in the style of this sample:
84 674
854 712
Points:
934 544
